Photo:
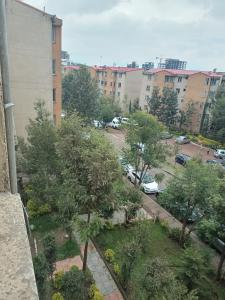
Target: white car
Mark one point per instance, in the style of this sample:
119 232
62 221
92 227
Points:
115 123
148 184
219 153
97 124
182 140
124 121
125 165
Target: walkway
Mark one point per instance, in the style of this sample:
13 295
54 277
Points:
100 273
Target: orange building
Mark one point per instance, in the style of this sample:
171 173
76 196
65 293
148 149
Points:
197 88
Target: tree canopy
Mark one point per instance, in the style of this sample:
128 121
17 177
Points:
80 94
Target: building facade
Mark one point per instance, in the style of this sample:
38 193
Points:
34 39
193 88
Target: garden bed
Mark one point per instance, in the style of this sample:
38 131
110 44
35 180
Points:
160 246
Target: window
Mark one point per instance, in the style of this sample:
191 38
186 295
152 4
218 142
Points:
179 79
114 84
213 81
105 83
169 78
207 81
149 76
53 67
53 33
102 82
147 97
53 95
110 83
120 75
118 94
105 74
105 92
178 91
148 88
184 90
119 84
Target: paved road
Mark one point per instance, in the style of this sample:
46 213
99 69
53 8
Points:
151 206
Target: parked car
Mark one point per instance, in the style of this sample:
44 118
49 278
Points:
182 159
148 183
124 121
166 135
182 140
219 153
218 162
125 165
97 124
115 123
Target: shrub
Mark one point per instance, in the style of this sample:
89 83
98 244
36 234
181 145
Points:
116 268
94 293
58 279
175 233
207 230
109 255
57 296
165 226
35 210
109 225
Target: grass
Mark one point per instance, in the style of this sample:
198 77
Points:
45 223
68 249
160 246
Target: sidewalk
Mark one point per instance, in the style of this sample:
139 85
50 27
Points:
100 273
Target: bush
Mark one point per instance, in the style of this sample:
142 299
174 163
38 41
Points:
165 226
58 279
94 293
116 268
109 255
175 233
57 296
35 210
207 230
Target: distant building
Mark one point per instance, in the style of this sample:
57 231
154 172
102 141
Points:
133 65
148 65
34 38
171 63
122 84
65 58
192 87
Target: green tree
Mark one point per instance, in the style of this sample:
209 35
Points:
80 94
108 109
164 105
74 285
50 252
192 267
184 116
40 160
90 168
159 283
217 129
143 137
191 191
41 272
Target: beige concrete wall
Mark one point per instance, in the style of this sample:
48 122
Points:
30 54
133 85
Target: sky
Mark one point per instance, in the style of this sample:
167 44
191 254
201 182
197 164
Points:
117 32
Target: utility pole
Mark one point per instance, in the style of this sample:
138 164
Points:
8 105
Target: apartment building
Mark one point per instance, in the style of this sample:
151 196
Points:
34 39
122 84
192 87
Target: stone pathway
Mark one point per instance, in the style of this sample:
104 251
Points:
66 264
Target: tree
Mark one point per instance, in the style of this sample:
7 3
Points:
108 109
50 252
41 272
192 267
191 193
74 285
39 158
164 105
184 116
90 168
80 94
143 137
159 283
217 129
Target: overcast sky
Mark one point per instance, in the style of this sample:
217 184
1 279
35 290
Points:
120 31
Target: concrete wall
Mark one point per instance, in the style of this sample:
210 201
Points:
30 54
133 85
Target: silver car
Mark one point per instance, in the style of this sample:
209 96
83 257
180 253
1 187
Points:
219 153
182 140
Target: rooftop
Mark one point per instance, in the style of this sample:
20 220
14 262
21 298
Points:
183 72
